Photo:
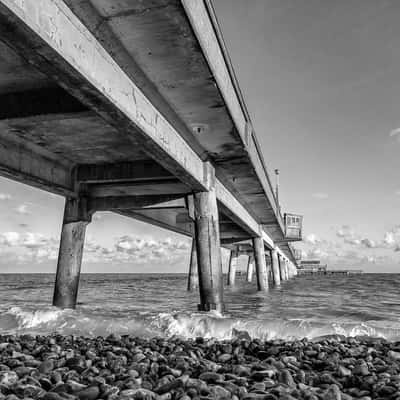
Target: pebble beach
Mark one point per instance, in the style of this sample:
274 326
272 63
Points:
58 367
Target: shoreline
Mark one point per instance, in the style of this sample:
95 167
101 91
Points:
57 367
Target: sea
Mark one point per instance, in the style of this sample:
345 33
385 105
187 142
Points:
159 305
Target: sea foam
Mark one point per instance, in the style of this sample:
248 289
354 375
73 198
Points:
17 320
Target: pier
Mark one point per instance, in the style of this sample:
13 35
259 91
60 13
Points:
133 107
314 267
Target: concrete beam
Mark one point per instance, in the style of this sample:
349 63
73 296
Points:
160 218
39 102
163 187
126 202
205 25
235 210
17 161
38 30
122 172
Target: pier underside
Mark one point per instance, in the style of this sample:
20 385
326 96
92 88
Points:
129 107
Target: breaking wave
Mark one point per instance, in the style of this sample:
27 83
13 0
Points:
17 320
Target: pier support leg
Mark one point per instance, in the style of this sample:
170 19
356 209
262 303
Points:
193 277
282 268
233 259
76 218
261 266
275 268
287 270
208 251
250 269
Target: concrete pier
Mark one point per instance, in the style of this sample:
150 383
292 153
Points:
208 251
109 126
233 260
250 268
193 276
69 262
275 268
282 269
261 266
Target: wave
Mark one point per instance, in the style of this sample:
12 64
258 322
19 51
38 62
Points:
17 320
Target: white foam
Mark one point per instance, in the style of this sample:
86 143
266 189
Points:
212 325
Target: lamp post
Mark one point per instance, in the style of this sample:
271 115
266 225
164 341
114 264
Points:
277 190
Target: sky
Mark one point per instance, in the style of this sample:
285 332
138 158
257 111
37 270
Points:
322 85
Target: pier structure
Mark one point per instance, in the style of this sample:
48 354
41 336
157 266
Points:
133 107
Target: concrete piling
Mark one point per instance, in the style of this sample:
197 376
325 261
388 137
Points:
208 251
193 276
287 271
275 268
250 268
261 266
233 260
282 269
69 262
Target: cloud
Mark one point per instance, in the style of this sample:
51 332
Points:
368 243
9 238
312 238
395 132
320 195
37 247
22 209
148 249
397 192
345 232
5 196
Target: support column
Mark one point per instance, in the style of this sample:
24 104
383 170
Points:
261 267
233 260
282 269
275 267
287 270
193 277
250 268
76 218
208 251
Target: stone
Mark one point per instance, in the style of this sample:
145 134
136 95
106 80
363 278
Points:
287 378
333 393
211 377
8 378
46 366
90 393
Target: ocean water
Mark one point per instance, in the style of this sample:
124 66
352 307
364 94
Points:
159 305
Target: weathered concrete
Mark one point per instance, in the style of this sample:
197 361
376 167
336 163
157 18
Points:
193 276
275 268
261 266
281 268
97 102
208 251
286 264
69 262
233 260
250 269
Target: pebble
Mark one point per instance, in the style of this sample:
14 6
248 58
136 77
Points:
57 367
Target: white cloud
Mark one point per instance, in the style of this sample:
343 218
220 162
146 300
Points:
395 132
148 249
5 196
312 238
22 209
9 238
320 195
